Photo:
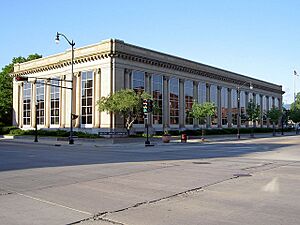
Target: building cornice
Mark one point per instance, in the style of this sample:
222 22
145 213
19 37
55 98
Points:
119 49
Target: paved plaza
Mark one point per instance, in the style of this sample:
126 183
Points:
254 181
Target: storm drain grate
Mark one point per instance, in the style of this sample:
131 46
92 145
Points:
202 163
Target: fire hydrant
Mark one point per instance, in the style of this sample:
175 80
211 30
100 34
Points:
183 138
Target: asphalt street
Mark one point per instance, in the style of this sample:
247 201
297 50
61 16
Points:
231 182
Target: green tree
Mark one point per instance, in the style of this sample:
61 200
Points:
274 115
294 114
253 114
125 102
6 87
202 112
296 104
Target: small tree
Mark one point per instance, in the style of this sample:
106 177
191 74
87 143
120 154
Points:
274 114
295 116
126 102
202 112
253 114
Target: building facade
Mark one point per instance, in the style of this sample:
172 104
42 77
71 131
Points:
104 68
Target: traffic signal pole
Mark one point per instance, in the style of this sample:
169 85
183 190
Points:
147 142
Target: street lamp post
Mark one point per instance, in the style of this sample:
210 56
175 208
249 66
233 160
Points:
72 43
239 106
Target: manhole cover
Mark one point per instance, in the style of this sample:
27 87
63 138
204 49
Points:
201 163
242 175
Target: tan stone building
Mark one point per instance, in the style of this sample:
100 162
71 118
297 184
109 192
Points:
111 65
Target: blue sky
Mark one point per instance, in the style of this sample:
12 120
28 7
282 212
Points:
257 38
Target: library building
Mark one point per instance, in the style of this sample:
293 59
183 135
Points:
53 93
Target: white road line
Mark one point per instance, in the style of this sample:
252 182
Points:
53 203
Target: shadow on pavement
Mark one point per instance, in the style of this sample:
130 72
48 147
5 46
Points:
16 156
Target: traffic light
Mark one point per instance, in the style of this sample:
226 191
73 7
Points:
20 78
150 105
145 105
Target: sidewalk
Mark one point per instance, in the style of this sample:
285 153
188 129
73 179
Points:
115 142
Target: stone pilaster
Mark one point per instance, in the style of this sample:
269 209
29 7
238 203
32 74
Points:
229 109
166 103
127 78
97 97
62 103
20 105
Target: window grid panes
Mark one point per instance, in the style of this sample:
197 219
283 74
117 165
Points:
224 105
265 109
214 99
157 93
234 108
26 103
201 92
258 102
138 85
174 100
40 101
276 103
270 103
54 96
87 98
243 107
189 99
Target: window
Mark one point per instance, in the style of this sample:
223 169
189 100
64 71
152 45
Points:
189 99
40 101
234 108
224 105
276 103
265 109
54 98
138 81
243 107
258 102
174 101
87 98
157 93
26 103
270 103
214 99
138 85
202 92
